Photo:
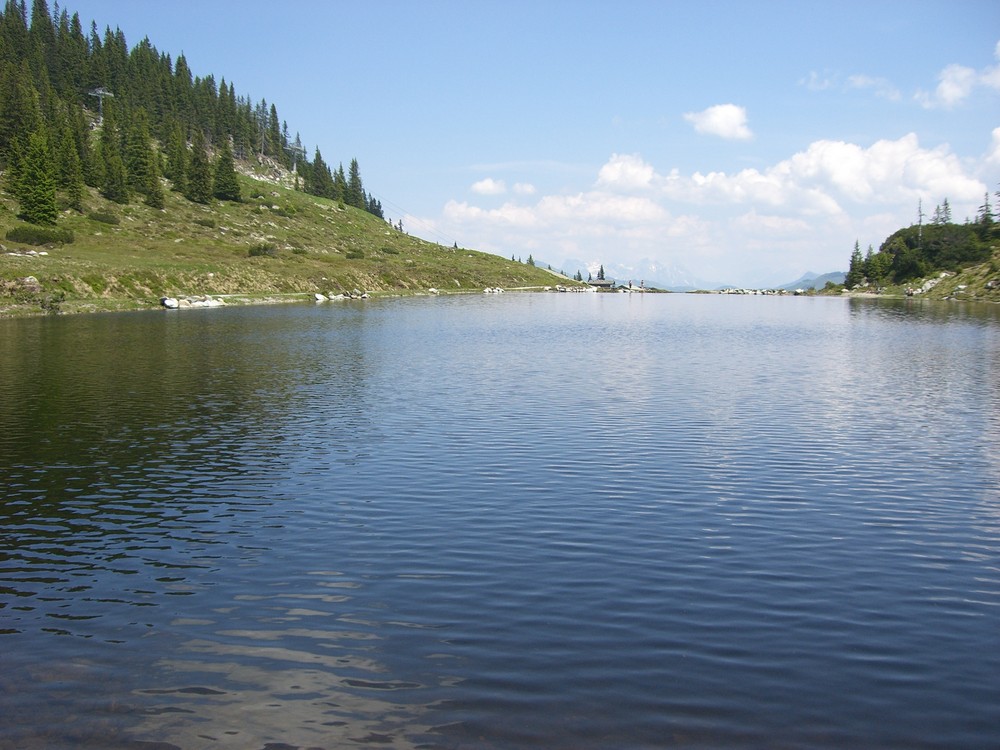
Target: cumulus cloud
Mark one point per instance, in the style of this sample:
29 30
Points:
625 171
956 83
801 212
524 188
489 186
724 120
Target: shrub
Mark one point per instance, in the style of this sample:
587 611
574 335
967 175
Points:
299 250
210 223
105 217
32 234
354 254
264 249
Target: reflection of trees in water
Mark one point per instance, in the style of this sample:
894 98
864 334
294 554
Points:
147 463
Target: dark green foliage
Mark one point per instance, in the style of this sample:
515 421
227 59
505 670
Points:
69 170
35 235
355 192
199 175
856 269
139 155
225 186
600 273
50 66
918 251
354 254
35 186
320 181
177 158
264 249
374 207
114 180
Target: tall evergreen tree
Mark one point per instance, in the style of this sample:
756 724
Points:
36 184
177 158
69 172
154 188
199 174
320 180
339 184
139 153
20 113
856 269
225 185
355 195
114 181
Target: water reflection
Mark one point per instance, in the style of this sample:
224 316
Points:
544 521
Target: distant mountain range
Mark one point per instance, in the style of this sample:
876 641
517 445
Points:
816 281
676 278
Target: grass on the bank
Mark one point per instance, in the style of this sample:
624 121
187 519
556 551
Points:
128 256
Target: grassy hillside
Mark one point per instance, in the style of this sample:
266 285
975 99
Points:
128 257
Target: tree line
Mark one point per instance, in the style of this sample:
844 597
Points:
83 109
922 249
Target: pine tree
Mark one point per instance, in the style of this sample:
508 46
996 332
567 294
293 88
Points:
985 215
20 113
153 188
321 181
355 195
177 158
114 181
199 174
340 185
856 270
600 273
69 172
225 186
36 184
139 154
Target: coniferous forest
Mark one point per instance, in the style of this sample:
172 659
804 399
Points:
79 107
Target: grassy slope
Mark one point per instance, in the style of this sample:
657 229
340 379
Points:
971 284
190 249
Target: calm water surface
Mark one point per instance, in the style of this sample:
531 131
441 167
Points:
527 521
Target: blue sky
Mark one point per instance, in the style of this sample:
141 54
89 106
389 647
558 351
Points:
741 142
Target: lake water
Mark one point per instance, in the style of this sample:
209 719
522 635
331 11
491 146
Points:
517 521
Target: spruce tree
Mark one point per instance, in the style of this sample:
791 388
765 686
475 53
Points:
199 174
153 188
339 184
36 183
177 158
321 181
225 185
856 270
114 181
139 154
355 195
69 172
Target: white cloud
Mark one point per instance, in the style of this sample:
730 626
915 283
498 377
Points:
803 212
724 120
489 186
992 159
524 188
881 86
956 83
625 171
